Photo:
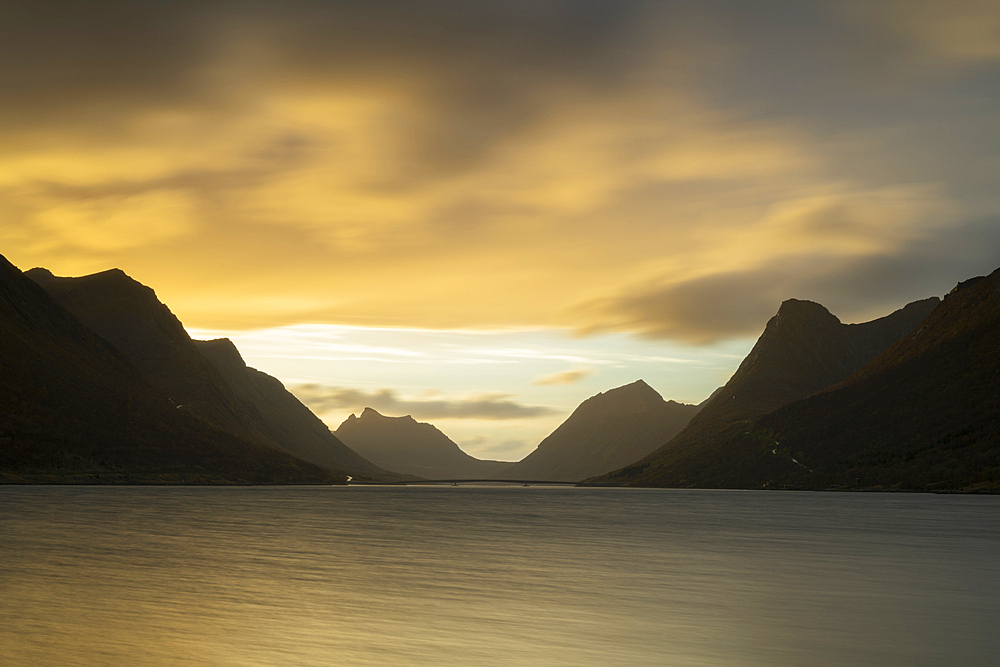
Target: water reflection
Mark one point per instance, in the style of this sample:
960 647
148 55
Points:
495 576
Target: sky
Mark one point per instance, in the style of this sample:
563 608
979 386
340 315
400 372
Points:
481 213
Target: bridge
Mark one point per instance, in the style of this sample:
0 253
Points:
445 482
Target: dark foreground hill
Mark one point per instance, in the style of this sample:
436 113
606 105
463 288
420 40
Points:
606 432
207 379
404 445
72 408
925 415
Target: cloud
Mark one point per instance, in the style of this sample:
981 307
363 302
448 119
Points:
323 399
961 32
857 288
564 377
115 223
444 164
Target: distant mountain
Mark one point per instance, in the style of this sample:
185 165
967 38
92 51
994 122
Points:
404 445
924 415
207 380
73 409
606 432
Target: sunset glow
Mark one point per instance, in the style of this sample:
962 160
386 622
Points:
653 177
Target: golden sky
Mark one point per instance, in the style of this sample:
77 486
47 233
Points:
668 169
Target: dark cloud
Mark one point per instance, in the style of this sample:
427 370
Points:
124 56
701 311
322 398
118 55
729 305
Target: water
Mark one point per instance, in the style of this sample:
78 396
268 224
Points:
495 576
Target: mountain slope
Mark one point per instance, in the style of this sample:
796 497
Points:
206 379
285 420
404 445
73 409
606 432
127 314
924 415
804 349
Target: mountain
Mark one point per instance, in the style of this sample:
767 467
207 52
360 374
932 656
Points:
73 409
127 314
804 349
406 446
606 432
285 420
207 380
924 415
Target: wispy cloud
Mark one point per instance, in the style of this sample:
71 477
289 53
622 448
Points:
564 377
495 406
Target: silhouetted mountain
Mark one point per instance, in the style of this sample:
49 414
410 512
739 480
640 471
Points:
604 433
804 349
127 314
72 408
924 415
208 380
404 445
285 420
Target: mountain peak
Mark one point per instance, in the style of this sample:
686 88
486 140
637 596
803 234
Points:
638 385
371 414
406 446
607 431
966 284
798 309
223 353
804 349
40 275
113 283
630 398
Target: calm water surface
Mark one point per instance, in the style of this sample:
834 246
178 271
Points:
495 576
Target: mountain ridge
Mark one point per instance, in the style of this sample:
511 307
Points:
74 410
209 381
803 349
923 415
604 433
404 445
